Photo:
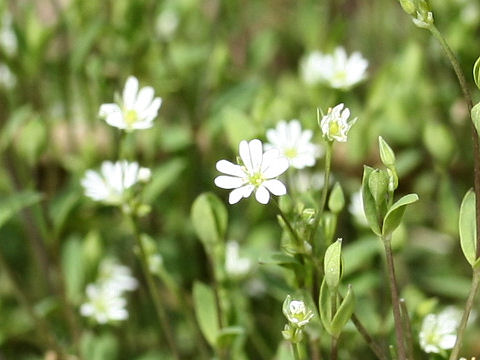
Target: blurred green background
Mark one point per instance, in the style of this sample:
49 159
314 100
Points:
227 71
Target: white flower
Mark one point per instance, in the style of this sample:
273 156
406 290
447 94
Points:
337 70
356 208
293 143
104 305
137 110
109 185
257 173
305 180
166 24
235 266
335 125
117 278
438 332
8 39
296 312
7 78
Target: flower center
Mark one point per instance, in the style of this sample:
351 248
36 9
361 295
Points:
291 153
256 179
340 75
334 128
131 117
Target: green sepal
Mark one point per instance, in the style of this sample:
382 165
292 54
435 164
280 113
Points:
395 213
344 313
206 312
468 228
369 206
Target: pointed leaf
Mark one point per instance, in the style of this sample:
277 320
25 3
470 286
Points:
206 311
467 227
332 264
344 313
395 213
325 307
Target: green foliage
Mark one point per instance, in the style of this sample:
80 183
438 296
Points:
336 202
395 213
209 217
468 228
206 312
10 205
333 264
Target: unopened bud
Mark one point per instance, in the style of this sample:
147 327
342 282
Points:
386 153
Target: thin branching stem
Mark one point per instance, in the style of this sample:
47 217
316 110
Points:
466 314
395 298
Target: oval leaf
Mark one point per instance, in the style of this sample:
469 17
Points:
325 307
209 217
332 264
475 114
206 312
395 213
467 227
369 202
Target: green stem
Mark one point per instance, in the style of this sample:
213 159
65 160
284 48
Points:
42 328
153 289
466 313
323 199
376 348
407 328
395 298
468 100
287 223
296 351
334 343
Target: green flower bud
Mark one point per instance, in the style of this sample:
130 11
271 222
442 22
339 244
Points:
292 334
386 153
297 312
308 216
378 185
336 202
408 6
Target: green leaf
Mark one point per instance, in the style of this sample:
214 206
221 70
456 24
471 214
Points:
336 202
206 312
61 207
344 313
476 72
369 202
325 307
12 204
228 334
14 123
475 114
386 153
209 217
468 228
378 186
332 264
73 265
32 140
395 213
278 259
162 177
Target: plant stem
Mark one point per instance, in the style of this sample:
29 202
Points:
395 298
287 223
376 348
466 313
43 330
334 343
323 199
153 289
407 327
469 102
296 351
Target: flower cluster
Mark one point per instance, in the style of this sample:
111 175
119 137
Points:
110 184
106 301
337 70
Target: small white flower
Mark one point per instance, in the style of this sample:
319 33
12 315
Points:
438 332
7 79
166 24
117 278
104 305
296 312
109 185
423 20
8 39
137 110
235 266
293 143
337 70
335 124
356 208
256 174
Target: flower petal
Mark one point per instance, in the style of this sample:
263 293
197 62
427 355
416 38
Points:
262 195
276 168
244 152
242 192
276 187
144 98
228 182
256 154
130 92
230 168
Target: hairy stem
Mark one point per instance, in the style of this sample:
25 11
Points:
469 102
153 289
395 298
466 313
